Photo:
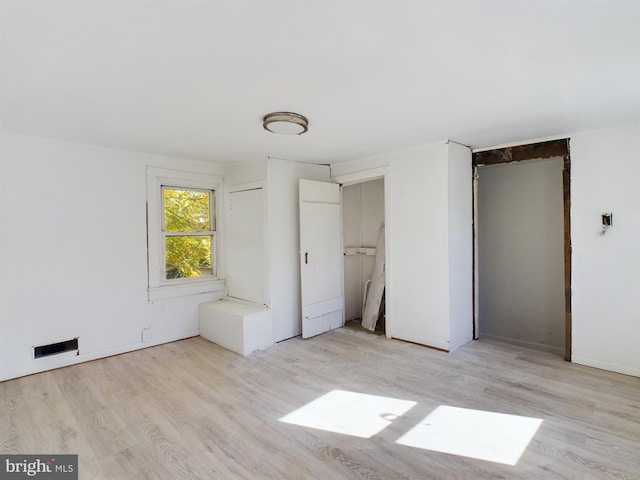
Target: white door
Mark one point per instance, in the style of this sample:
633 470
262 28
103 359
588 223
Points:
245 246
321 257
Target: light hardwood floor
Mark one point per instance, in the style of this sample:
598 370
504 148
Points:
192 409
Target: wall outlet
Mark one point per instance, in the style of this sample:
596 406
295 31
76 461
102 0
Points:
146 335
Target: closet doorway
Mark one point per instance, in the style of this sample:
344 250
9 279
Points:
363 217
522 254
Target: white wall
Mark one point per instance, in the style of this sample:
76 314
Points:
73 248
460 246
419 246
605 177
74 253
244 173
419 294
363 215
352 237
521 252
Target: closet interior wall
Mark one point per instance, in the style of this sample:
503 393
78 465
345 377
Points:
521 253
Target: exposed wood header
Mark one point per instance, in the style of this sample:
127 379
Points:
553 148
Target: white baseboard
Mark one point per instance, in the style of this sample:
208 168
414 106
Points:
51 363
604 365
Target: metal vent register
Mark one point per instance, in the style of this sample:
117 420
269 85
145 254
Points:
56 348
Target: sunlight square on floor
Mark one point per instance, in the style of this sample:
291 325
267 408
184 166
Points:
357 414
490 436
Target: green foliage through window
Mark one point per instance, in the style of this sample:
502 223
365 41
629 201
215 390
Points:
188 229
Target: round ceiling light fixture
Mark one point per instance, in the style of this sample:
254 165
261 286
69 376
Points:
285 123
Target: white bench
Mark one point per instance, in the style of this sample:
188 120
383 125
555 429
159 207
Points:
241 327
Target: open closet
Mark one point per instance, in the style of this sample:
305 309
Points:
363 222
523 245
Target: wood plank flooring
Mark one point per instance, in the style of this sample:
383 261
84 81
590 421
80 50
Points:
193 410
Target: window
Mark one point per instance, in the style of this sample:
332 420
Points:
189 233
181 232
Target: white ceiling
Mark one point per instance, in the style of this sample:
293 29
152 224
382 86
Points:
193 78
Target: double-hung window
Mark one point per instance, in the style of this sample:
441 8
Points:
181 232
188 231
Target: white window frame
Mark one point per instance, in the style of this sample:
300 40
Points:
159 286
211 232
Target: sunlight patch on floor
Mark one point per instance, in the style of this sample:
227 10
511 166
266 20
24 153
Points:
490 436
349 413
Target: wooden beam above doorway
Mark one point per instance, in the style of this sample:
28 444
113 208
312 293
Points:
552 148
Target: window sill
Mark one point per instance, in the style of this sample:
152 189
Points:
184 289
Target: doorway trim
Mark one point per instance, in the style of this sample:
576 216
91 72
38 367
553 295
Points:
365 176
520 153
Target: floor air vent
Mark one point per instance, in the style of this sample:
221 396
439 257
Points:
55 348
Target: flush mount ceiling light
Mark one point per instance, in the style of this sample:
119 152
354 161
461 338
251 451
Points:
285 123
